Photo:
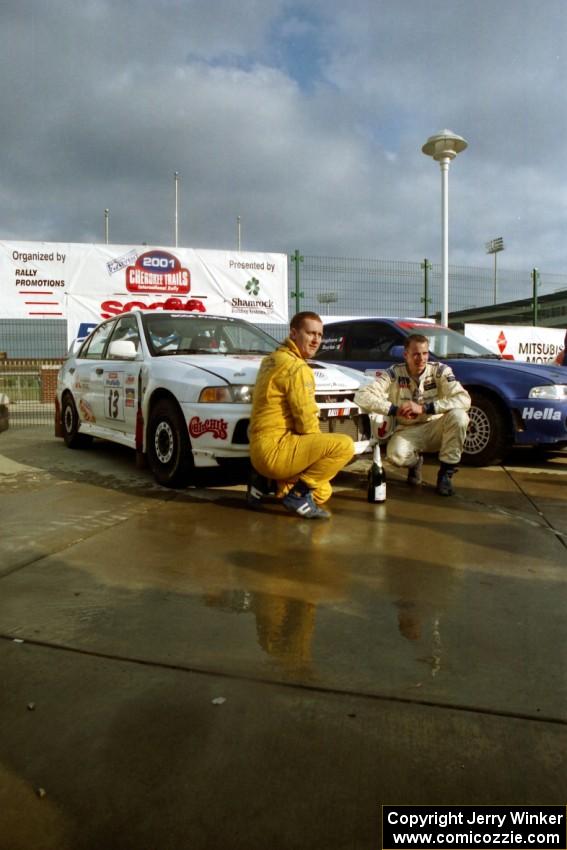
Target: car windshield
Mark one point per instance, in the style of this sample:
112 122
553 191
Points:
180 333
443 342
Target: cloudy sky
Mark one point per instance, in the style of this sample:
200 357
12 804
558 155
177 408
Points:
304 118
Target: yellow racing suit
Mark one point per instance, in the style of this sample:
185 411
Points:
443 425
286 442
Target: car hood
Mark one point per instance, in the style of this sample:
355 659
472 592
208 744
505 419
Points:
243 368
233 368
329 376
545 372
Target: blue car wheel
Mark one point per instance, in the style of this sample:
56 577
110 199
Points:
487 441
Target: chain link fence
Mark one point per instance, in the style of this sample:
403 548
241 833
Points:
380 287
31 350
332 286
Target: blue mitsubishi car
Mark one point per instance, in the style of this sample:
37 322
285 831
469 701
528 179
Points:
513 403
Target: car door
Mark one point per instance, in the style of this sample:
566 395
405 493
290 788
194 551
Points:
88 378
363 345
117 391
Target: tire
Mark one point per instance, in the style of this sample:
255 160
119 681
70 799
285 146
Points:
169 448
70 422
487 440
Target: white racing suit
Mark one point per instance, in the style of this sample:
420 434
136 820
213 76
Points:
441 428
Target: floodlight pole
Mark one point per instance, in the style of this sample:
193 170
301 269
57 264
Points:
443 148
176 215
106 225
493 247
238 233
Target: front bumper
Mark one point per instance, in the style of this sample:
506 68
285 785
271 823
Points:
539 422
220 432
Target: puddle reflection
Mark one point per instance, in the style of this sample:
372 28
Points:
422 594
284 625
284 587
422 591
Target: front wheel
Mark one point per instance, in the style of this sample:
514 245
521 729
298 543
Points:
487 440
169 450
70 420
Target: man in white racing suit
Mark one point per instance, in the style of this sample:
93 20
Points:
430 407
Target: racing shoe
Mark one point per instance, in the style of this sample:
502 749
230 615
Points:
300 501
258 487
444 480
414 472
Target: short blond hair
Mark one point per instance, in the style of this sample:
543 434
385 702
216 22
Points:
299 318
414 338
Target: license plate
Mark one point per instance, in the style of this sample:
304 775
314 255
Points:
337 411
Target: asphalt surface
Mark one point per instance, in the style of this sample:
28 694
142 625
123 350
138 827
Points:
180 672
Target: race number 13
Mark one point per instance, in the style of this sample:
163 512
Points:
114 403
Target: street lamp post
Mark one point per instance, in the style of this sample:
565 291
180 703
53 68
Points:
443 148
493 247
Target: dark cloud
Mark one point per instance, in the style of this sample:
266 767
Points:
306 119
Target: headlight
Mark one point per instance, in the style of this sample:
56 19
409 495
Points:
553 391
227 394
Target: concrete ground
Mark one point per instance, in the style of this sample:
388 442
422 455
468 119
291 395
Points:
179 672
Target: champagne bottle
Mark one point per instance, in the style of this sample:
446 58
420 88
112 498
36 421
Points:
376 478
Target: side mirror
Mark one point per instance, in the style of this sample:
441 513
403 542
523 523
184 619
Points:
122 349
397 352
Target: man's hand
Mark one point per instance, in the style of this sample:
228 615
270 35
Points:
409 410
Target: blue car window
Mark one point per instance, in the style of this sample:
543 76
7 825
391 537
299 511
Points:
333 345
371 341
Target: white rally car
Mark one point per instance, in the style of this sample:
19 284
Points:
177 388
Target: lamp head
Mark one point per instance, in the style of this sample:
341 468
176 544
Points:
444 145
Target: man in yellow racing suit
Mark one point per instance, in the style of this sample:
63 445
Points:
286 443
430 407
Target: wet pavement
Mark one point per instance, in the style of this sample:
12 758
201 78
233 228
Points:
180 672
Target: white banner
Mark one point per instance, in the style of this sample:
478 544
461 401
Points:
519 342
87 283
